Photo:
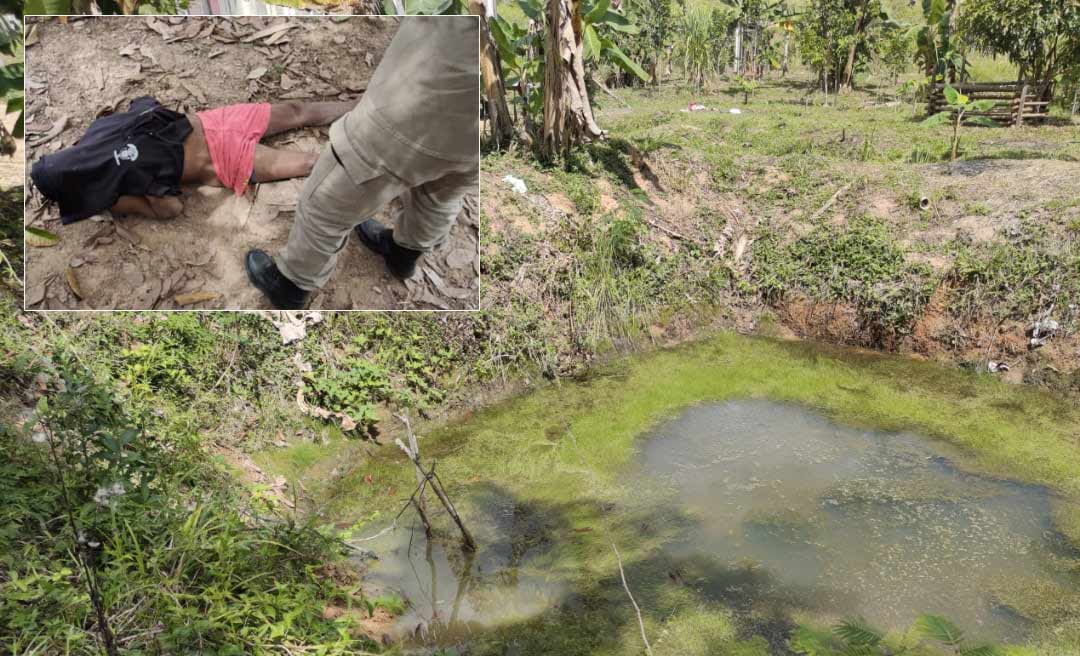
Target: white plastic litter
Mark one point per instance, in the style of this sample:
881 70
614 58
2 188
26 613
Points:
735 110
517 184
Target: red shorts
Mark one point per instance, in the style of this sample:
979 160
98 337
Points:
231 134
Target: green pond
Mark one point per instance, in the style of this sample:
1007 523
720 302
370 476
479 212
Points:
751 486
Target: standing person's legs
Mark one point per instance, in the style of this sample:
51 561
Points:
330 205
429 211
427 215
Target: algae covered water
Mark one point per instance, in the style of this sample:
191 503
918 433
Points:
794 510
751 486
786 513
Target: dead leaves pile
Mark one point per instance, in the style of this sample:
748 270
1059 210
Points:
453 273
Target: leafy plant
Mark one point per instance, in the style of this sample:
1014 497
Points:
935 46
745 86
11 81
958 108
855 637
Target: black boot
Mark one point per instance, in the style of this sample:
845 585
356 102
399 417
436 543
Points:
400 260
264 274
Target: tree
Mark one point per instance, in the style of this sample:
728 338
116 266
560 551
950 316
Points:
959 108
838 37
571 37
499 118
868 11
934 44
568 116
656 21
1039 36
756 17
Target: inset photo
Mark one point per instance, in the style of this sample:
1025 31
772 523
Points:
252 163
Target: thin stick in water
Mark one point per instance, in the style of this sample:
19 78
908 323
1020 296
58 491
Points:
641 622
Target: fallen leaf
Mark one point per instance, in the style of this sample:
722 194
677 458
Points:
34 295
458 292
40 238
256 73
127 234
459 257
216 53
73 283
434 301
299 93
274 29
194 91
195 297
159 26
288 82
203 262
57 128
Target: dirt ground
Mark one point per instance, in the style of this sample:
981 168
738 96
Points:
191 64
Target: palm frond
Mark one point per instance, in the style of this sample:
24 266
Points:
938 628
855 631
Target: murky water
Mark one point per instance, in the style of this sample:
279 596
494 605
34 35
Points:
793 512
450 592
778 513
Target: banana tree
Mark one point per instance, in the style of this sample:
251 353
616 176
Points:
576 33
960 108
11 82
935 47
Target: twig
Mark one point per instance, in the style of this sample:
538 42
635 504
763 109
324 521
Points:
667 230
829 203
433 479
80 551
11 269
641 622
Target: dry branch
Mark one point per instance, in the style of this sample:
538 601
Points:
641 622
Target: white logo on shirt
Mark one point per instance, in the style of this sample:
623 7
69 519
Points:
129 153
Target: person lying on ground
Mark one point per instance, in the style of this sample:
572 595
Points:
134 162
414 136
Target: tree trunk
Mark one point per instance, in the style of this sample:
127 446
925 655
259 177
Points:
784 61
738 49
502 126
860 26
568 117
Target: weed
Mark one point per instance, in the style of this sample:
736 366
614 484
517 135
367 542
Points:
861 265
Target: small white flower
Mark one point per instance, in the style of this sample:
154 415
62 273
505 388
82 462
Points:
38 437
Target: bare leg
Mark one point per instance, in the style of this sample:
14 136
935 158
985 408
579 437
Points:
291 115
273 164
154 207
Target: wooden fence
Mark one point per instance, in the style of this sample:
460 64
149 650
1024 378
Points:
1017 102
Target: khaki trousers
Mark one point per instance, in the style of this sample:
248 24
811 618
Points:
332 203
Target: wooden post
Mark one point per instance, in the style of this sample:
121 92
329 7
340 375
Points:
1020 110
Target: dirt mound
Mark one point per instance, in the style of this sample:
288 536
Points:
191 64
